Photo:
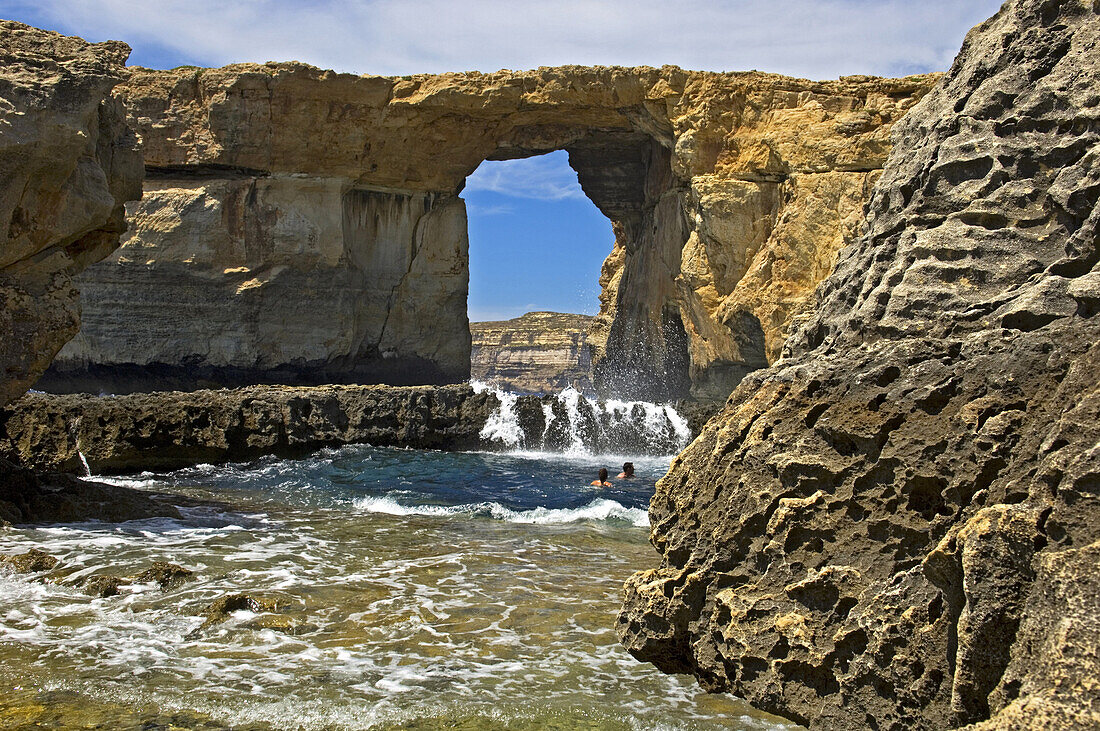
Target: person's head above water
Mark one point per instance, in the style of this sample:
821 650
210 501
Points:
603 474
601 481
628 470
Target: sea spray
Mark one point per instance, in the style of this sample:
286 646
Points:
84 461
572 423
502 426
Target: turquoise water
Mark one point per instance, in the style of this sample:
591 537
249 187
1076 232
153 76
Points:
395 589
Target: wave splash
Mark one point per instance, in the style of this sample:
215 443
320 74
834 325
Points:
574 424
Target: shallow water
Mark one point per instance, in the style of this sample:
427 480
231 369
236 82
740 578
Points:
412 589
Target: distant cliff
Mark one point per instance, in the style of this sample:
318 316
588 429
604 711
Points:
540 352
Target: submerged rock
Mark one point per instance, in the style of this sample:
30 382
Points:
103 586
32 562
27 497
897 525
166 575
220 609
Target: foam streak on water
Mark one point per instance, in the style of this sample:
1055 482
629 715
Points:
420 589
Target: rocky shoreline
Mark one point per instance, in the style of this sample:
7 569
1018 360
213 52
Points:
172 429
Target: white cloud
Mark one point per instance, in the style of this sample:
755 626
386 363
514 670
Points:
547 177
810 38
476 209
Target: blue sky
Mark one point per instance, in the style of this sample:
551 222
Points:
536 241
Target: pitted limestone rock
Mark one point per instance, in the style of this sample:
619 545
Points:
894 527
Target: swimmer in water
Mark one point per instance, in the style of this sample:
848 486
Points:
602 481
628 471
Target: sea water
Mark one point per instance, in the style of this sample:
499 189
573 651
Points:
411 589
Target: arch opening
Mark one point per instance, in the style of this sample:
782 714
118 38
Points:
537 246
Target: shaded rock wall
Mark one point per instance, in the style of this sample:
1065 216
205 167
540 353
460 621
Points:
539 352
283 198
169 430
896 526
68 162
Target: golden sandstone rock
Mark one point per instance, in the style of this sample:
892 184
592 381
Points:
897 525
300 225
68 162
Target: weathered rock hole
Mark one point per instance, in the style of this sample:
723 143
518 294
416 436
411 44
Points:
887 376
844 607
935 609
820 679
956 172
752 668
937 400
1027 321
817 595
802 538
814 414
925 497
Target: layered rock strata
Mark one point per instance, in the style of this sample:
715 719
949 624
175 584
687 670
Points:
897 526
68 163
303 226
540 352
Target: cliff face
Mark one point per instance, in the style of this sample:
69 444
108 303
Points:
68 162
540 352
286 199
898 524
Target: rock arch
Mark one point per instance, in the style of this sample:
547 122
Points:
304 226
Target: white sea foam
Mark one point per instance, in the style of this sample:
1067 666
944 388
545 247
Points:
597 510
502 425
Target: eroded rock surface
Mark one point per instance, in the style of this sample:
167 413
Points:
896 526
169 430
68 163
540 352
302 226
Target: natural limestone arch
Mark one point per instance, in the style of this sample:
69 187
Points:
304 226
